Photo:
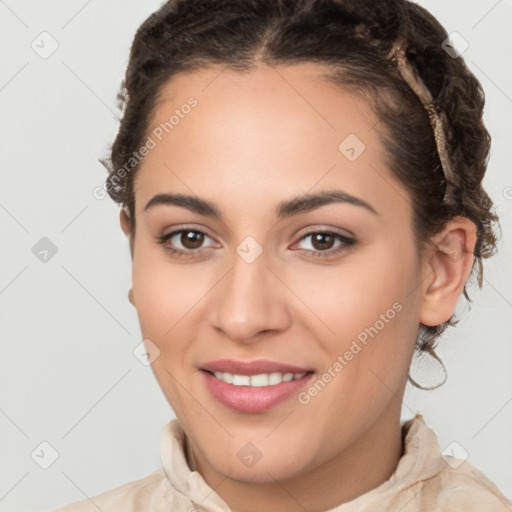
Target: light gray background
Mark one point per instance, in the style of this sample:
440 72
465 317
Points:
68 375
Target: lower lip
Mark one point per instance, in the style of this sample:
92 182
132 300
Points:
253 398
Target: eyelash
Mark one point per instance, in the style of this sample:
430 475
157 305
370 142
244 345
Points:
346 243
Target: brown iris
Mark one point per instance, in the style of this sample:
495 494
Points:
192 239
322 241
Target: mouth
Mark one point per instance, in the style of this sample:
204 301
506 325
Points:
254 393
254 367
257 380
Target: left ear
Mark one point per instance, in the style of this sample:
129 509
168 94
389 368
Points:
447 265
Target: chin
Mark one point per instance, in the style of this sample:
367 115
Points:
258 462
261 473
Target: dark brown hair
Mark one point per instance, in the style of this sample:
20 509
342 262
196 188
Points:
351 38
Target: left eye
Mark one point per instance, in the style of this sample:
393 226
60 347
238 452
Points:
323 242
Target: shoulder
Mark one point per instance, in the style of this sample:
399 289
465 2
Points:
429 480
142 494
461 486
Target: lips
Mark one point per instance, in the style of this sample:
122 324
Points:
249 399
255 367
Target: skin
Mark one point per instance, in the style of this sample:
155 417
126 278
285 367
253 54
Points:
253 140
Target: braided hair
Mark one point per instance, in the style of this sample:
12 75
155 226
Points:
391 53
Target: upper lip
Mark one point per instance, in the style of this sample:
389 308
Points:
252 367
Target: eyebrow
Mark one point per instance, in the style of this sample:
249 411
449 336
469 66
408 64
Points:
285 209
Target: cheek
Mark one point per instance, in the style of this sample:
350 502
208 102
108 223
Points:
165 292
167 297
353 294
365 311
367 354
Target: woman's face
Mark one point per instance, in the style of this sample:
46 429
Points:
329 286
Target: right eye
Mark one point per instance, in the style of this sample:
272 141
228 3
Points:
190 239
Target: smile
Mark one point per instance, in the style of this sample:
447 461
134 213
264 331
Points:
254 393
260 380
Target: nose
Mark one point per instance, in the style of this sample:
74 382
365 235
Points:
250 300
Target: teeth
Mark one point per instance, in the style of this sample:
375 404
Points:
240 380
261 380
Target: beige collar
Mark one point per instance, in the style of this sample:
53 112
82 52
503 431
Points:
421 460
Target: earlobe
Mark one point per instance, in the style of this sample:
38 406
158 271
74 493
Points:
448 263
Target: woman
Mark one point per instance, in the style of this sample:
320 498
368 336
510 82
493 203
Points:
300 184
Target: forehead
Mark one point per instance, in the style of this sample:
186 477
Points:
273 131
298 98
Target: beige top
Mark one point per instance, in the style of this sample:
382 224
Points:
423 480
